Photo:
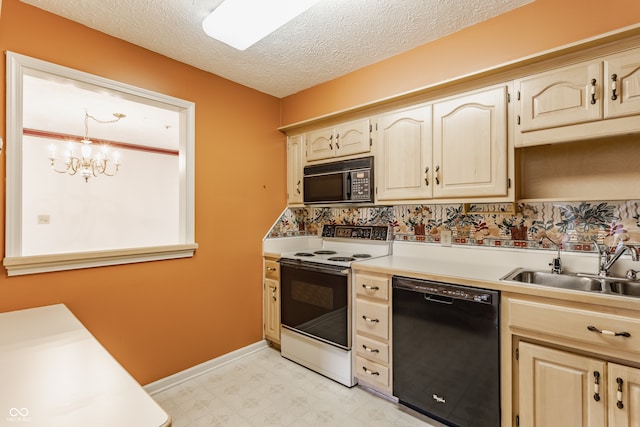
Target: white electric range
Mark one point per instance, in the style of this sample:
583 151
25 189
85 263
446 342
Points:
315 286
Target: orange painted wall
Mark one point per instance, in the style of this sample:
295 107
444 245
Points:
158 318
533 28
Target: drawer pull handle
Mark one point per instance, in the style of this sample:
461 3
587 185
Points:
370 320
370 350
614 87
271 269
596 386
593 91
368 372
610 333
371 288
620 405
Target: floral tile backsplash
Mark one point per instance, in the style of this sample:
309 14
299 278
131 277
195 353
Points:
573 225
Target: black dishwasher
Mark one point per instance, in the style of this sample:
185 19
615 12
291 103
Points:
446 351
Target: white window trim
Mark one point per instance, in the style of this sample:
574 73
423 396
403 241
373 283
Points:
15 262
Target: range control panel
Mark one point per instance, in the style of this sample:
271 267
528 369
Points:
362 232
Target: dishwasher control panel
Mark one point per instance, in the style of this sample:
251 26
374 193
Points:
445 290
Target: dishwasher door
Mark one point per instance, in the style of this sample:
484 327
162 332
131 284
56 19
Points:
446 351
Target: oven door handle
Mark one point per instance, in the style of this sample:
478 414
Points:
336 270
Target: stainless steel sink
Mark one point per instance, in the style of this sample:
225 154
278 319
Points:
628 288
577 281
563 281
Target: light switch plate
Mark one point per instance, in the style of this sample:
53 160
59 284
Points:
445 237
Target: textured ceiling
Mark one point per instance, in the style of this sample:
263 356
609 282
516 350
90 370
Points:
331 39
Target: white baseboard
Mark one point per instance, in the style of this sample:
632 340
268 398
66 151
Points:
195 371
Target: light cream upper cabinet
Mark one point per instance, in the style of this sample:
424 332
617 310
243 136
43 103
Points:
557 388
342 140
622 84
470 144
403 156
295 167
561 97
587 100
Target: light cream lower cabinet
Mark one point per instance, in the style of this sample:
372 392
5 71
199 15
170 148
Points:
372 331
569 366
271 300
559 388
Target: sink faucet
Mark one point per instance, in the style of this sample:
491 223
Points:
606 262
556 263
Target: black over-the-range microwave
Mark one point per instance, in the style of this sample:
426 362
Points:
346 181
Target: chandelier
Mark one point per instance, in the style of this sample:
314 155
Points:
85 164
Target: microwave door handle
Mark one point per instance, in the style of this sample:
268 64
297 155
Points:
347 184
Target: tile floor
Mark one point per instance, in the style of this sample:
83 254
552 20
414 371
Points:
264 389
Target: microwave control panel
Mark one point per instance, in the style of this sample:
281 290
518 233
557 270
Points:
360 185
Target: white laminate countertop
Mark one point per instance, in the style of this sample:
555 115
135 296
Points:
481 267
484 267
54 373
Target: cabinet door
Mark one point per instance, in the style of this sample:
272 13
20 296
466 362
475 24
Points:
557 388
353 138
470 146
272 310
624 396
295 153
403 168
561 97
320 144
622 73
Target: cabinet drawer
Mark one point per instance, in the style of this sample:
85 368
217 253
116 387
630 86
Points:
575 323
372 318
372 349
372 372
271 269
372 286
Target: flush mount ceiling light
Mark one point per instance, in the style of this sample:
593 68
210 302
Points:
241 23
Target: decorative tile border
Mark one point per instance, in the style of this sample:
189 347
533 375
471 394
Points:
574 225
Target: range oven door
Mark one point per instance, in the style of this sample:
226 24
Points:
314 301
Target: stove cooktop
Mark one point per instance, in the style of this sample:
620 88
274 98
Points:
344 244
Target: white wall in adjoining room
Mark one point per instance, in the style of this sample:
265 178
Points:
138 207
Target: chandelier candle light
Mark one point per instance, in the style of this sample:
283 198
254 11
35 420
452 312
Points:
86 165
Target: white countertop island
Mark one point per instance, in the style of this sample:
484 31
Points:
53 372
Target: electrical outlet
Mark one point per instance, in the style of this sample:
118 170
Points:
44 219
445 237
